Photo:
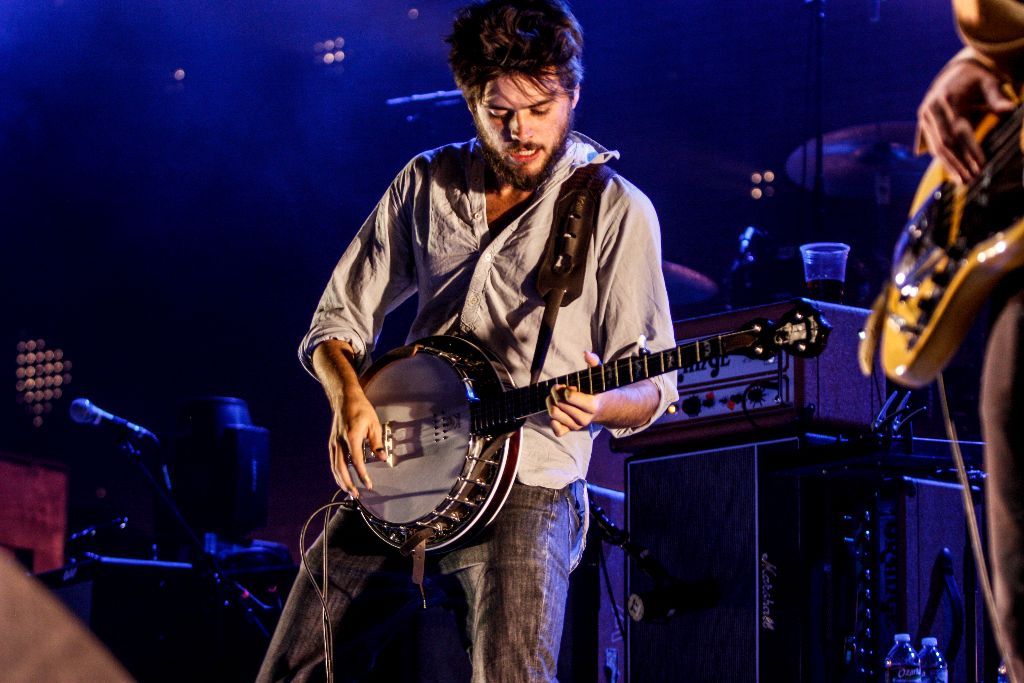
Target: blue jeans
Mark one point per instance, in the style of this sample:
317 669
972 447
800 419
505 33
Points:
507 588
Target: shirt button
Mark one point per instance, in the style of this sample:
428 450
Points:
476 216
488 257
471 299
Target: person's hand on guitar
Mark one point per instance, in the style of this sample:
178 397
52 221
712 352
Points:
963 91
571 410
354 421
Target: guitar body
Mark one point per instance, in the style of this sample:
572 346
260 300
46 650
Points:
442 476
959 243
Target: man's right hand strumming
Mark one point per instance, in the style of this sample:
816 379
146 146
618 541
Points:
354 421
963 91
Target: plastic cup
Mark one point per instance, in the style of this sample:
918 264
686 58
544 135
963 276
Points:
825 269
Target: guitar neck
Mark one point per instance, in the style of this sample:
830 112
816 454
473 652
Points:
520 403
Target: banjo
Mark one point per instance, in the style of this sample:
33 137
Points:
452 421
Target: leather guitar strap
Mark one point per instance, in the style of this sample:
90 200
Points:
564 264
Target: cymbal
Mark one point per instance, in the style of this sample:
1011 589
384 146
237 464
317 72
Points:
862 161
686 285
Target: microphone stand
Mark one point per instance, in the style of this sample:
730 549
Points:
818 192
209 567
681 596
620 538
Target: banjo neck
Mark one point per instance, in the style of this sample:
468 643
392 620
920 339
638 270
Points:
506 411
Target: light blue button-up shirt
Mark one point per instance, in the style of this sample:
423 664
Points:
429 234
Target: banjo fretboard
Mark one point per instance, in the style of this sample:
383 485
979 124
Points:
518 404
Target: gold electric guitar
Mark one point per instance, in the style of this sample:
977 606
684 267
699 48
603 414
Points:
959 242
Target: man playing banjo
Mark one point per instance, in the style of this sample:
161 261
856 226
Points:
465 226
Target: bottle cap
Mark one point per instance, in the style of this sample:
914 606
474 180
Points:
902 637
929 642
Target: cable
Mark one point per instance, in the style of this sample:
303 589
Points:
322 593
972 527
611 593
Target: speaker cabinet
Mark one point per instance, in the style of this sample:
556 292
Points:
220 467
796 561
720 518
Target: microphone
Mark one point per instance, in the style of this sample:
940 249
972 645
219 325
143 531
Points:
83 411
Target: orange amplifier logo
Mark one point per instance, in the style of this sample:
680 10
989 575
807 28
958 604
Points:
722 387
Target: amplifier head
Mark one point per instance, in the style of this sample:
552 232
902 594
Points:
736 396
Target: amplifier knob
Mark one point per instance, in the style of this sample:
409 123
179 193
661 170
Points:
691 406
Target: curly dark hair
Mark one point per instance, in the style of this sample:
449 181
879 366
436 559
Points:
531 38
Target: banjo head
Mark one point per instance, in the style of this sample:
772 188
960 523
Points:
423 403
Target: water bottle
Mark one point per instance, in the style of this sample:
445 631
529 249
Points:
1001 675
933 664
902 664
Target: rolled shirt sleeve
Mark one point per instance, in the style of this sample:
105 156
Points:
632 299
374 275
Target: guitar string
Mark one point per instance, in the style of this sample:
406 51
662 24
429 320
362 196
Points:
1007 129
1003 142
1003 132
1001 150
1003 147
505 411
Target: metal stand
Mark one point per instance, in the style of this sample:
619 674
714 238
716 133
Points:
229 593
818 196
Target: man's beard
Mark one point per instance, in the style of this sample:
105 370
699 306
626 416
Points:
512 174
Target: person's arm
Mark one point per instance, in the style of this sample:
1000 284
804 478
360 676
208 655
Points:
375 272
626 407
632 302
970 83
965 89
353 418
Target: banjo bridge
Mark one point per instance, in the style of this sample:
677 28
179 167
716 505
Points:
389 446
389 443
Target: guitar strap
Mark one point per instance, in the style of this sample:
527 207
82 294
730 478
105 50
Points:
564 264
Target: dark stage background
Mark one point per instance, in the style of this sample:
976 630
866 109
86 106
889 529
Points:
171 232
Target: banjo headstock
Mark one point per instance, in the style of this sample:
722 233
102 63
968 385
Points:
802 331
